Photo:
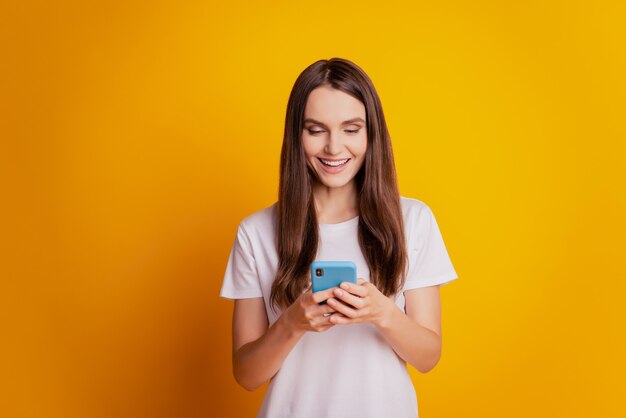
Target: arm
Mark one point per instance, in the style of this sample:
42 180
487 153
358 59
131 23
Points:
414 336
259 351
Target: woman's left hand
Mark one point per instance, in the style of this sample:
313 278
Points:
362 302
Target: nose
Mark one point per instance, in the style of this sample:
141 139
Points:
333 144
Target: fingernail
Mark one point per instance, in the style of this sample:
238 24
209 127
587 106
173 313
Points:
345 285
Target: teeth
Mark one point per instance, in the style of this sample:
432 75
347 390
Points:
334 163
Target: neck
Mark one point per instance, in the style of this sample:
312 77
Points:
335 204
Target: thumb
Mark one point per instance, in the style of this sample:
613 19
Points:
361 280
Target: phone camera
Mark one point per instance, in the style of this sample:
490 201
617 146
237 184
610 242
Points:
319 272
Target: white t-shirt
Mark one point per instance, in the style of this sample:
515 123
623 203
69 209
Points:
347 370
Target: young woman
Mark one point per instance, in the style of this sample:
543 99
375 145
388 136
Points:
338 200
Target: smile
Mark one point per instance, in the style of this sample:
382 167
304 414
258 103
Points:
334 163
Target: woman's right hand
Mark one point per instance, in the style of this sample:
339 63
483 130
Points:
306 314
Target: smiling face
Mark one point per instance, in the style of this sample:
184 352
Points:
334 136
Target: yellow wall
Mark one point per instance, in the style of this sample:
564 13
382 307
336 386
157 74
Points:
135 137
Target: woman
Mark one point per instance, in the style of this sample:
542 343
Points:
338 200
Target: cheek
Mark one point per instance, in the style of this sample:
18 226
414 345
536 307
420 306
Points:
310 148
360 147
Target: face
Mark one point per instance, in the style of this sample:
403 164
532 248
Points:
334 136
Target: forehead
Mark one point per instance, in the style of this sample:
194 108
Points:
332 106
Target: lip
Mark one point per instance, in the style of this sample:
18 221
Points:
334 159
333 170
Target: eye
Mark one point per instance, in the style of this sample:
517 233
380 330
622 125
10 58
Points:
313 132
352 131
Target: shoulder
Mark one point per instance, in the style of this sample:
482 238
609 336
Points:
259 223
414 209
418 220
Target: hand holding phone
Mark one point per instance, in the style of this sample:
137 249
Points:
327 274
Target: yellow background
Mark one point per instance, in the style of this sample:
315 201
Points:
136 135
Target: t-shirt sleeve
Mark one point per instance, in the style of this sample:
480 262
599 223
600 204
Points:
241 280
429 262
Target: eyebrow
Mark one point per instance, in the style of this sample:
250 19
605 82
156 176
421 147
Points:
345 122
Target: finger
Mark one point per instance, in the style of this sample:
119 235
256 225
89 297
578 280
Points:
322 295
339 319
349 298
323 310
328 309
362 282
335 314
322 325
342 308
326 313
358 289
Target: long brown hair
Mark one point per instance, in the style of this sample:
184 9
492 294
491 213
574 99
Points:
380 230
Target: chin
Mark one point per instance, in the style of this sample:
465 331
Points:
336 183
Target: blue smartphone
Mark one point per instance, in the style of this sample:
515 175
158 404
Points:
327 274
